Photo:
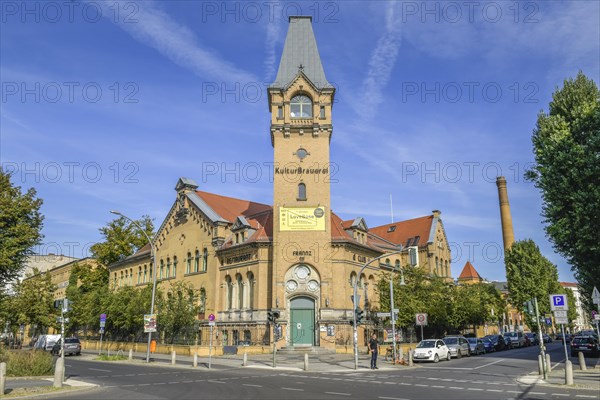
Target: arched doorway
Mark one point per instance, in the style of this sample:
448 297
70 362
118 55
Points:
302 321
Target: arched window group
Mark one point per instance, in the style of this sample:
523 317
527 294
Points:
301 107
239 292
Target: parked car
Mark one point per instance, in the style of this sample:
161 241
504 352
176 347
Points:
516 339
585 344
546 338
458 345
532 338
46 342
476 346
566 337
497 341
72 346
431 350
489 345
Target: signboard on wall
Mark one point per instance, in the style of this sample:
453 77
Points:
302 218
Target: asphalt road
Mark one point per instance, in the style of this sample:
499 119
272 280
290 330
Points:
491 376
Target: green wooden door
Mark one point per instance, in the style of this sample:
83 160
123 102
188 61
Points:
302 322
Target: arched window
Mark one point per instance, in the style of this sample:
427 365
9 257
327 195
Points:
202 300
131 276
139 275
397 264
174 266
301 107
162 269
250 290
240 291
352 279
301 191
145 273
365 287
197 261
205 260
188 263
437 266
387 262
121 280
168 271
228 288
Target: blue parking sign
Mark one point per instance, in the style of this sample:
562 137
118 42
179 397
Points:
558 302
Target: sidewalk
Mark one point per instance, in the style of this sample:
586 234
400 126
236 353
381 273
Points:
285 361
30 386
588 379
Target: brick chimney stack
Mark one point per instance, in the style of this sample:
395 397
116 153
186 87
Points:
508 235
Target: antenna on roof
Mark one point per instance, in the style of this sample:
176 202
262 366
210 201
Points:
392 208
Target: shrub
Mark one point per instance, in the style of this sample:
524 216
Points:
116 357
27 362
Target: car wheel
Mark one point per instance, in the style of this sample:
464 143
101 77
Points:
469 353
78 354
458 355
448 357
436 359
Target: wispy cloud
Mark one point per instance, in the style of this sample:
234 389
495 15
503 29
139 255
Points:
381 63
273 35
177 42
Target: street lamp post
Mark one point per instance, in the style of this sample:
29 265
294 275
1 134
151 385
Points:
153 256
355 333
393 319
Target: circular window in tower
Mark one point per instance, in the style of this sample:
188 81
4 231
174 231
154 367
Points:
302 272
301 153
312 285
291 285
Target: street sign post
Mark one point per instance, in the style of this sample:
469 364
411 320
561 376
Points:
558 302
102 325
421 320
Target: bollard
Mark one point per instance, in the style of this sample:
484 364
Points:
2 378
400 355
245 362
410 358
540 365
130 354
195 360
306 361
568 372
59 371
173 357
582 365
548 363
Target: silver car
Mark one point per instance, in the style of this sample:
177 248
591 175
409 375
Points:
458 345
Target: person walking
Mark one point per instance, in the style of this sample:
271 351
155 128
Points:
373 348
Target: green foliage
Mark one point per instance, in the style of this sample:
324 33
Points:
33 302
27 362
87 291
125 309
530 275
121 239
115 357
449 307
177 310
20 227
566 145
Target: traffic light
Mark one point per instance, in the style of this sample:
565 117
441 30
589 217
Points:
528 307
360 314
270 316
273 316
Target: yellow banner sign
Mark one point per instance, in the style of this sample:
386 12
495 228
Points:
302 218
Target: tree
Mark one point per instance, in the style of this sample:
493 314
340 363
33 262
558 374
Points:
20 227
530 275
177 310
121 239
472 305
33 301
566 144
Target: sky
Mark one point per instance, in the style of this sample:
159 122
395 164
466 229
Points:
106 104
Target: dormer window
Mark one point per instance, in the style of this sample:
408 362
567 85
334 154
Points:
301 107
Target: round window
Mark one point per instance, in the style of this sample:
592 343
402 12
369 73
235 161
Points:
302 272
291 285
313 285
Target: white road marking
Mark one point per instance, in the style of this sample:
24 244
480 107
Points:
249 384
493 390
456 387
438 386
536 393
211 381
389 383
420 384
296 389
487 365
475 389
560 394
339 394
391 398
101 370
587 396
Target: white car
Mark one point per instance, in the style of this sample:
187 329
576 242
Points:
431 350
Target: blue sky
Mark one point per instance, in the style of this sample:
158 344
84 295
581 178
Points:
106 104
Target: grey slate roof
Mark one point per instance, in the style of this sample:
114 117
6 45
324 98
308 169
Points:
300 53
205 208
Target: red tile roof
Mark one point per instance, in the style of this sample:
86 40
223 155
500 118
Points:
469 273
405 230
230 208
568 284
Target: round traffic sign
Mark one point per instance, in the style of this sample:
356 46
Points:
211 317
421 317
